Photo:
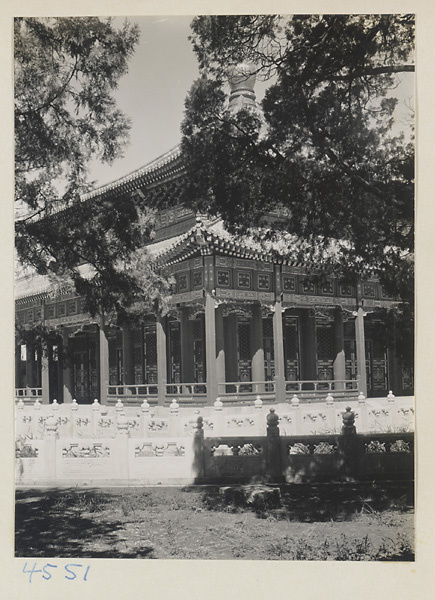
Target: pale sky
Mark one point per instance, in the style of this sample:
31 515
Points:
161 73
152 94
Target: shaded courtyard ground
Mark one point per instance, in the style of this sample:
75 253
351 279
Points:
313 522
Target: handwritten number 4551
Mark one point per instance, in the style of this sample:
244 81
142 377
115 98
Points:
47 573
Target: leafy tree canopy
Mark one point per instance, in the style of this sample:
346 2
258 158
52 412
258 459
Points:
321 148
66 72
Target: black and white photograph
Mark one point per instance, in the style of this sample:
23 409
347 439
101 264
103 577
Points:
214 289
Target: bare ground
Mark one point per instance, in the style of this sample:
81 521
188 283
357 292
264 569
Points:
323 522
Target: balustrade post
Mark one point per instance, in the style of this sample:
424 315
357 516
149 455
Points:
95 416
74 409
218 418
296 416
198 458
144 418
274 470
174 419
51 429
392 407
330 412
260 422
19 418
121 441
35 419
348 444
363 416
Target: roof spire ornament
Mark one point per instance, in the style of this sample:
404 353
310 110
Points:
242 78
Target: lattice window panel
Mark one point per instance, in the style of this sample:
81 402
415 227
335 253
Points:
137 336
175 341
268 328
325 343
291 340
349 329
150 347
244 341
197 329
113 370
378 350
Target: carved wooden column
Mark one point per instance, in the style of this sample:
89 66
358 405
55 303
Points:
278 339
162 364
186 335
127 354
210 349
278 346
66 369
360 350
45 375
309 353
220 345
103 360
18 382
30 365
230 333
257 346
339 357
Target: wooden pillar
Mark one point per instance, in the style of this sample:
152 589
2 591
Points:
278 346
18 382
339 358
30 365
127 354
230 334
103 360
360 351
162 364
45 375
210 349
66 369
220 345
186 338
309 354
257 346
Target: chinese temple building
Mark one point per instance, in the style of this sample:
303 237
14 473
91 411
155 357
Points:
243 322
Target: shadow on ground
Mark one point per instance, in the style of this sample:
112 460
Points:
311 503
150 522
50 524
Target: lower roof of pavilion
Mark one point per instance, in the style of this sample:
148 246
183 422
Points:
182 236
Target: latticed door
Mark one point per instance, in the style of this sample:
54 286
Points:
325 353
244 348
150 353
291 350
350 352
198 351
93 371
80 376
376 367
115 358
269 351
174 352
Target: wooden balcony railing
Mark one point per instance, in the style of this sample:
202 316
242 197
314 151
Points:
186 389
343 388
137 390
246 389
28 393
